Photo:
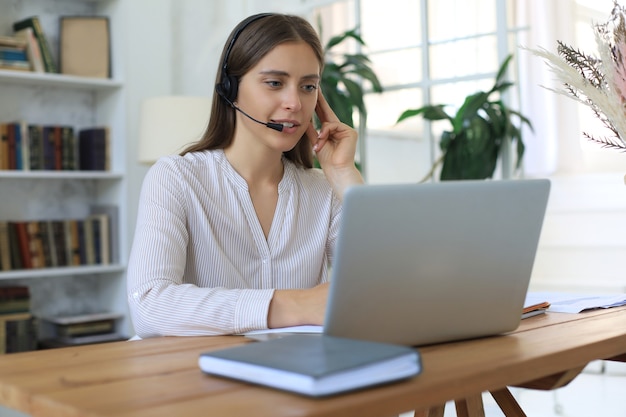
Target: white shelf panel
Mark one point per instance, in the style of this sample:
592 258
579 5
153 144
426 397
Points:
61 271
61 175
58 80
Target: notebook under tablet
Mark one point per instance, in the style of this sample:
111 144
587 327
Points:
417 264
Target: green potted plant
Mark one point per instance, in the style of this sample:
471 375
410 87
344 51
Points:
343 76
342 83
478 132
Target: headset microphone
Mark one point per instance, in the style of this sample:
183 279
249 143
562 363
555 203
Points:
276 126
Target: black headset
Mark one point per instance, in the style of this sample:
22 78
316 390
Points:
228 86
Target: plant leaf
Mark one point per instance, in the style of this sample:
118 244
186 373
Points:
502 71
428 112
469 110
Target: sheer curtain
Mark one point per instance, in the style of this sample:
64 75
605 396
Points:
558 145
554 146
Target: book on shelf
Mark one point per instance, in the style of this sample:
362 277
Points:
81 329
20 130
53 147
99 231
49 147
16 259
5 247
111 241
17 326
42 40
14 58
14 299
90 246
18 333
12 41
14 54
35 137
73 231
10 53
14 65
4 146
32 244
93 149
32 48
23 243
314 364
85 46
68 149
56 230
36 244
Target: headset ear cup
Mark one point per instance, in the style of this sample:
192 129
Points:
230 86
227 88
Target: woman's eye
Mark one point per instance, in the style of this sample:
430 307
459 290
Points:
310 87
273 84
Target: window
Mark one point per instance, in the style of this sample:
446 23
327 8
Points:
429 51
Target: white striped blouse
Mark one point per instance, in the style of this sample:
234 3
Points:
200 263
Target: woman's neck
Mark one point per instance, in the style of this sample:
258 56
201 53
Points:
257 168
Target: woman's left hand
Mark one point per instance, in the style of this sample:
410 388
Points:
335 147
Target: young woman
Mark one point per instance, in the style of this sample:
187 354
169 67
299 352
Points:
237 232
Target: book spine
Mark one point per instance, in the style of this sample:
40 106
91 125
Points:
5 247
45 243
92 148
82 245
12 146
75 258
25 144
58 148
14 243
35 134
46 53
54 261
68 148
59 237
24 247
90 255
48 147
19 146
4 146
13 54
35 244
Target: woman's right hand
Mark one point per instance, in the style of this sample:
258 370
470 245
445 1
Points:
298 307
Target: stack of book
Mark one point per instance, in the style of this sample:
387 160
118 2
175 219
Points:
38 49
35 147
18 328
52 243
82 329
13 54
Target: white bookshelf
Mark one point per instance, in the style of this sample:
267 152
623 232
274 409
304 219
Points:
80 102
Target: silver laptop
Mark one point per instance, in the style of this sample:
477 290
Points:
417 264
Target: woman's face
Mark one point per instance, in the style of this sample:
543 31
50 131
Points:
281 88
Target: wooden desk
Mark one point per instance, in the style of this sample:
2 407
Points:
160 377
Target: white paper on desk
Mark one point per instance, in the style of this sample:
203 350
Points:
267 334
575 303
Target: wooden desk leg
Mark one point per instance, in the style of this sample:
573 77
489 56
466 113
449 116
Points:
507 403
470 406
436 411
